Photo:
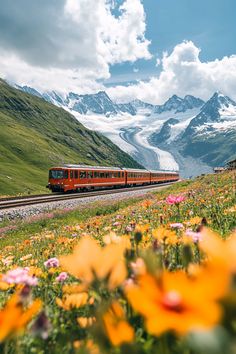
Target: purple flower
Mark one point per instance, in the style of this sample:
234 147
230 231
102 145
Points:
52 263
20 276
62 277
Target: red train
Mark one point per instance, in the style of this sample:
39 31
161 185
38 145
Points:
80 178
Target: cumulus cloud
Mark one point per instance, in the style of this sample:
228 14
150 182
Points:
183 73
69 42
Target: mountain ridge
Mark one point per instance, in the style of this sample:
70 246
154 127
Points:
35 135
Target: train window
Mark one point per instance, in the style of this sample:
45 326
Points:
118 174
96 174
76 174
122 174
56 174
102 175
71 174
82 174
90 174
66 174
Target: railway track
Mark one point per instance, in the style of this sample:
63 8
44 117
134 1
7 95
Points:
9 203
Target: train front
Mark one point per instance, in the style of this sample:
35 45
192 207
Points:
57 179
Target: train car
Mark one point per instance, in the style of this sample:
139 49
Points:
80 177
163 176
137 177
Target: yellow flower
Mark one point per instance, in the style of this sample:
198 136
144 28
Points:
174 302
195 221
112 238
118 329
25 258
164 235
90 261
142 228
231 210
35 271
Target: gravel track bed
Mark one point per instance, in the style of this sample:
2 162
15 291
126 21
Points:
25 212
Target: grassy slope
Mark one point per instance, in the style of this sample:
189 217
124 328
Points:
35 135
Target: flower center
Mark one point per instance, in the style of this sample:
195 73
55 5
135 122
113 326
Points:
172 301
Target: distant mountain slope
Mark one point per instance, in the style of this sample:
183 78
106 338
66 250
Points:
35 135
208 137
211 135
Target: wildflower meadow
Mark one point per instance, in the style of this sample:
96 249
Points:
155 276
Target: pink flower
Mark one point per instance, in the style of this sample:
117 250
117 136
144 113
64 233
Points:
62 277
52 263
172 199
196 236
177 225
128 228
116 223
118 216
20 276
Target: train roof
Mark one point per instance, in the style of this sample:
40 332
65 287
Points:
99 168
135 170
86 167
166 172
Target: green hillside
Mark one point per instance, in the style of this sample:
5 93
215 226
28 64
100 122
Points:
36 135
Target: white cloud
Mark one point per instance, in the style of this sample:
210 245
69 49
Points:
65 44
183 73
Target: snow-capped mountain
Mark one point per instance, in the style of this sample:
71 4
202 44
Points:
142 107
219 109
178 104
185 133
99 103
28 89
209 136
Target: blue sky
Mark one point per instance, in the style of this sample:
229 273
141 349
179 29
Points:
210 24
113 45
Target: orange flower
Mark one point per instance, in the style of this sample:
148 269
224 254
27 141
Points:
118 329
222 252
221 259
174 302
14 318
86 322
86 346
70 301
90 261
147 203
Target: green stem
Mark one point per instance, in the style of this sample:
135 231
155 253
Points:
164 348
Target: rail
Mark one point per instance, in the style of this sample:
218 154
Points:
8 203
